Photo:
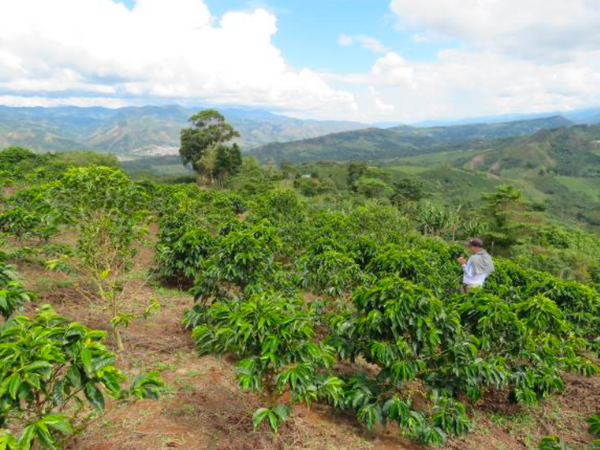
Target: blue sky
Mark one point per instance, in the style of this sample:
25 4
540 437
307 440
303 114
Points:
361 60
309 31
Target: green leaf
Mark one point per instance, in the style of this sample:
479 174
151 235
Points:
74 376
86 359
594 423
282 412
27 437
13 387
258 416
59 423
94 396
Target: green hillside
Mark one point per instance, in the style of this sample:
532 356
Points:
404 141
573 151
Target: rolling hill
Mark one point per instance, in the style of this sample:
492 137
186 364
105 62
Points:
378 144
573 151
149 130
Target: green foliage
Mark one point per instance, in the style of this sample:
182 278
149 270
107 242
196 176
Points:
55 377
407 192
13 294
312 187
356 170
86 190
326 268
275 340
31 213
371 187
243 259
13 157
406 332
502 209
180 257
86 159
552 443
594 423
110 214
206 146
19 223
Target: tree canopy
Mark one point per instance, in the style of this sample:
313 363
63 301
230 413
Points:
207 146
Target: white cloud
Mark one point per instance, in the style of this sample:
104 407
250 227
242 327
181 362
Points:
12 100
368 42
466 83
541 29
161 49
381 106
501 56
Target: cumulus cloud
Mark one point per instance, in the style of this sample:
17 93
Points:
169 50
501 56
541 29
464 83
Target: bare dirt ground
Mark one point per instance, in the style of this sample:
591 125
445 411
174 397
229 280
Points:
203 408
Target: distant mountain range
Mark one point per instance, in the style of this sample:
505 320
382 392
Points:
587 116
154 131
397 142
143 131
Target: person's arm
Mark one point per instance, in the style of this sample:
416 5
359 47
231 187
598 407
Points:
465 266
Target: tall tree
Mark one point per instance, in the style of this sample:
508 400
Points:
356 170
408 192
506 212
207 146
228 160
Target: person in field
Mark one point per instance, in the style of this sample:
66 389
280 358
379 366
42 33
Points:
477 268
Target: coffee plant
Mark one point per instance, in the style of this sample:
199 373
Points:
242 261
13 294
181 254
404 331
275 341
110 214
55 376
328 268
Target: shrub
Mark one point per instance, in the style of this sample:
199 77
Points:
328 272
12 293
406 332
531 338
275 340
242 261
180 255
55 376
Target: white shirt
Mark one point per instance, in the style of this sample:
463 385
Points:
470 278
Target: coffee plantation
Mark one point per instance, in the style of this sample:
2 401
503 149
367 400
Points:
345 302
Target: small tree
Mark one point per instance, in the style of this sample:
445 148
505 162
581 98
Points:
54 376
503 209
371 187
110 214
206 146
